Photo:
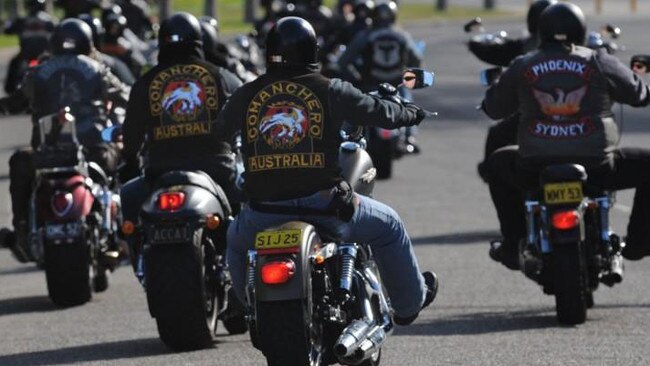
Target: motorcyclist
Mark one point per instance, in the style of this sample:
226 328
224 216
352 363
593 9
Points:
73 8
293 166
36 9
68 79
564 93
502 53
117 66
172 110
343 35
640 64
380 55
217 52
137 15
115 44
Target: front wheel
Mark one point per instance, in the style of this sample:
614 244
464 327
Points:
571 298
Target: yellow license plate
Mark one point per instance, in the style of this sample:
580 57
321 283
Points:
278 239
559 193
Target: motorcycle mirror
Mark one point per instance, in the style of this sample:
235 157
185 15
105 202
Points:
112 134
472 25
415 78
613 31
491 75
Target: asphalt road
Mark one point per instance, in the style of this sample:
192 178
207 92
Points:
484 314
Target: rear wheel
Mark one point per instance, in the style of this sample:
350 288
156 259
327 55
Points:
181 293
571 298
67 271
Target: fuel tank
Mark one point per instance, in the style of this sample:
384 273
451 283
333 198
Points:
357 168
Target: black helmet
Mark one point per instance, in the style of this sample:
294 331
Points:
209 36
562 23
211 21
96 26
363 9
291 41
115 25
384 14
180 28
72 36
34 6
113 9
536 9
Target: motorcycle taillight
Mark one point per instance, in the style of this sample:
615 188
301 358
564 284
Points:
171 201
62 203
278 272
565 220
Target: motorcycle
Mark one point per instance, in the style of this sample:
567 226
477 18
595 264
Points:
570 248
181 242
74 211
312 299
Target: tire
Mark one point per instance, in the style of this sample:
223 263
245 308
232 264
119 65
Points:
178 296
67 272
569 284
381 152
282 332
101 280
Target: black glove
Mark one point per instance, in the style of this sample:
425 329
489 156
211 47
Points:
420 113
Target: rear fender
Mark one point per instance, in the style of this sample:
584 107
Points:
298 286
82 198
199 202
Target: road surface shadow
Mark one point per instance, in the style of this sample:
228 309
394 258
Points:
27 304
484 322
93 352
469 237
19 270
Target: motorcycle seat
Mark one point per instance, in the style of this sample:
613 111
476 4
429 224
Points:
194 178
563 173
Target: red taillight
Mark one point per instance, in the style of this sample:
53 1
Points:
33 62
565 220
62 203
274 273
171 201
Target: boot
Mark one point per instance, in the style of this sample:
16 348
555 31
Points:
16 241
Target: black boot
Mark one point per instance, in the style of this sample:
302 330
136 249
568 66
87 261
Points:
16 241
505 254
431 280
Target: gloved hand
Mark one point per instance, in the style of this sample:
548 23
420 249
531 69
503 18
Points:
420 113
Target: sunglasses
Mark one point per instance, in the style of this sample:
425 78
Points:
638 65
409 78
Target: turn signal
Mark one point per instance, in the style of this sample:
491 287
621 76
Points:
278 272
171 201
128 228
212 222
565 220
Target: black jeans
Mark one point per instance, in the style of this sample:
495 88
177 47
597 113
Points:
509 176
501 134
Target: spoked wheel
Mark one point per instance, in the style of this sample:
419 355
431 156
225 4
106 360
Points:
569 282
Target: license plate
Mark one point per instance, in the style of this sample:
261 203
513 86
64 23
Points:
278 239
559 193
61 231
169 234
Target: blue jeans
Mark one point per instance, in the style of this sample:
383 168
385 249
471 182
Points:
373 223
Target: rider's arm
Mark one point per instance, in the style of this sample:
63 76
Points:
134 128
501 98
625 86
347 60
499 54
352 105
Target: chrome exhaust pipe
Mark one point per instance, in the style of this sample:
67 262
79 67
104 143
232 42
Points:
351 338
373 342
